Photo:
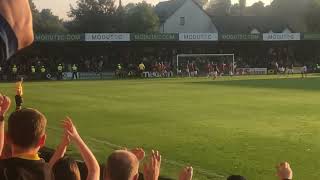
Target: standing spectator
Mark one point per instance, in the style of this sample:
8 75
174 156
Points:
142 67
66 168
74 72
14 72
26 134
43 72
60 69
122 165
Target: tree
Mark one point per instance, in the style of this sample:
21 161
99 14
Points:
313 16
257 9
235 10
45 21
219 7
201 3
50 23
142 18
93 16
242 5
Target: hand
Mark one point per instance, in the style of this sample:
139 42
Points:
152 169
65 137
186 173
70 129
284 171
139 152
5 103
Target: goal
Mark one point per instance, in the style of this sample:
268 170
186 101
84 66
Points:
225 63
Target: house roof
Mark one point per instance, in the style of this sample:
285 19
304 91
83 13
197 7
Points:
245 24
165 9
228 24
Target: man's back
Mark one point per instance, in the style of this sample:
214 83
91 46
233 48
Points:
23 169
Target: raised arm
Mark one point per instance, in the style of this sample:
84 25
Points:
151 169
61 149
186 173
87 155
284 171
18 23
4 107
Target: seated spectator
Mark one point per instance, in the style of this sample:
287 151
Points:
25 135
66 168
16 31
236 177
284 171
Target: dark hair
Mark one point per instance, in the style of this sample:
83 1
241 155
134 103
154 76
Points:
26 127
236 177
66 168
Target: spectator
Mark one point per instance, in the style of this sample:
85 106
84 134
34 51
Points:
236 177
122 165
284 171
26 135
66 168
16 31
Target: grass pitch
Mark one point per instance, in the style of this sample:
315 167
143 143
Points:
243 125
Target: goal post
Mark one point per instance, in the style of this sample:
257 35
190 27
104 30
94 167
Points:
214 58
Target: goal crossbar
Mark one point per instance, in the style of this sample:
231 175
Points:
202 55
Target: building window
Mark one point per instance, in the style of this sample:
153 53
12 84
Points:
182 21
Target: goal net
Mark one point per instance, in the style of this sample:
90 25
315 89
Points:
203 64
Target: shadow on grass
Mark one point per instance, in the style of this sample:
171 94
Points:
308 84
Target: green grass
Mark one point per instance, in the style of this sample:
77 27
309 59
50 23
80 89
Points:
243 125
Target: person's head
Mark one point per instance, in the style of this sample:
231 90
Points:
236 177
66 168
122 165
26 129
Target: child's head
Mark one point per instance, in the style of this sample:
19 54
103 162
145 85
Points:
66 168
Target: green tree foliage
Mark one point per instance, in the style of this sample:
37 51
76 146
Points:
93 16
142 18
103 16
45 21
242 6
257 9
219 7
201 3
313 16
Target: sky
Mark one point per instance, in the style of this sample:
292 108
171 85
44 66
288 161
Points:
61 7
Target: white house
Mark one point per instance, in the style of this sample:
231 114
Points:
186 16
189 17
